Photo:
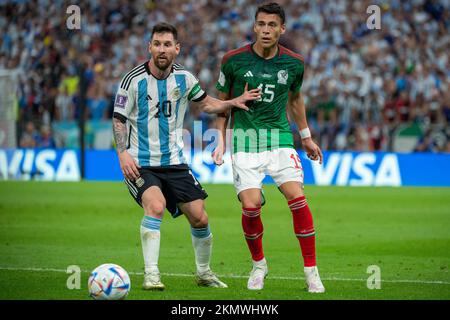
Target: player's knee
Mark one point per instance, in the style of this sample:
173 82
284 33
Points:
251 203
292 191
154 208
250 200
293 195
200 221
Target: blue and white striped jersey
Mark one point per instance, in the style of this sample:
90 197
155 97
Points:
155 112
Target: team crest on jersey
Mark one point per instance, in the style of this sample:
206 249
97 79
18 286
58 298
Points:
283 76
176 93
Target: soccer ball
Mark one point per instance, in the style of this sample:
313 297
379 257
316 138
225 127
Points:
109 282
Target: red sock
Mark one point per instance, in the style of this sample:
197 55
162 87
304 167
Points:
253 231
304 229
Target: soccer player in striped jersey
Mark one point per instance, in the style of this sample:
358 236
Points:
148 118
262 141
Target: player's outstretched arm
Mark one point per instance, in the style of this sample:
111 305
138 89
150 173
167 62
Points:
127 164
296 106
213 105
221 126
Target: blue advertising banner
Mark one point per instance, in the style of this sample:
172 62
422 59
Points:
339 168
40 164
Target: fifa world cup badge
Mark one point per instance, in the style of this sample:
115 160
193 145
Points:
139 182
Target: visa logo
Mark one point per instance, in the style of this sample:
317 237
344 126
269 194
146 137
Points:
359 169
39 164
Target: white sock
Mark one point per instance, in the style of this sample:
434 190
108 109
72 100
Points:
310 269
260 263
150 238
202 243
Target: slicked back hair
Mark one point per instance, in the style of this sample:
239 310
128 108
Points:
272 8
164 27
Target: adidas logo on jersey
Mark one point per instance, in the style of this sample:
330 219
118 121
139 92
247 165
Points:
248 74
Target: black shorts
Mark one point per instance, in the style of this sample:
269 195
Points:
177 184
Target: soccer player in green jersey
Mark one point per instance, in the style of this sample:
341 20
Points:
262 142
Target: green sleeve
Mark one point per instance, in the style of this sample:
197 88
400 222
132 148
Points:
224 82
298 81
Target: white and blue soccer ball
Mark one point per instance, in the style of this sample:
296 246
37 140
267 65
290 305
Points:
109 282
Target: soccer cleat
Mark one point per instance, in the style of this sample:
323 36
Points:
257 276
152 281
209 279
313 280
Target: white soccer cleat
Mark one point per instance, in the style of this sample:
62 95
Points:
209 279
313 280
152 281
257 276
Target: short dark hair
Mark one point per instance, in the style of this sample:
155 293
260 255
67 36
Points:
272 8
163 27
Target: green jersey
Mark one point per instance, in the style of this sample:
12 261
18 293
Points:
265 126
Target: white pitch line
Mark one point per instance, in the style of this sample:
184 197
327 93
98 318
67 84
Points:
235 276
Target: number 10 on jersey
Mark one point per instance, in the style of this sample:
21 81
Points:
165 107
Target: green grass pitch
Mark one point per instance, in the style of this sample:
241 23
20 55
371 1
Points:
45 227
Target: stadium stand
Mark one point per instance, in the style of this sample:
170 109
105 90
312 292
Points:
365 89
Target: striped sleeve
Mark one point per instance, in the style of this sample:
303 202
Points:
124 101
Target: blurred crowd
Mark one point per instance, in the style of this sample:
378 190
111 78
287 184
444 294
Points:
362 87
